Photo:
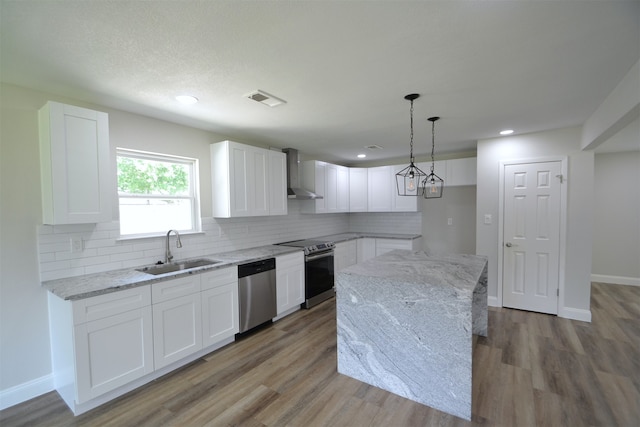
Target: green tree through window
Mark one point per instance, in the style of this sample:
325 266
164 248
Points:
156 193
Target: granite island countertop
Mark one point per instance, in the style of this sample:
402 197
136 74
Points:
405 322
90 285
344 237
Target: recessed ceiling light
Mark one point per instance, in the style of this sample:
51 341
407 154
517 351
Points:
506 132
186 99
362 156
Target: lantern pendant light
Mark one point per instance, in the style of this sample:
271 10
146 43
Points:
408 179
433 184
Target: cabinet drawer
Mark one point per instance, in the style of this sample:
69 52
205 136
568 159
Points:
290 260
175 288
106 305
219 277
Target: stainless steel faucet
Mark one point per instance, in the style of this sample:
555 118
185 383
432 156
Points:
167 255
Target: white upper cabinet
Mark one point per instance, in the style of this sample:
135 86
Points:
247 180
461 172
455 172
383 192
399 203
331 182
337 188
379 189
74 159
314 176
358 190
277 183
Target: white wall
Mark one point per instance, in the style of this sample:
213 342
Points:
616 244
575 293
458 204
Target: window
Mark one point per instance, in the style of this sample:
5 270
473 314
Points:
157 193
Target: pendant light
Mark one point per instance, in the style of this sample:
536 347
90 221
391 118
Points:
433 184
408 179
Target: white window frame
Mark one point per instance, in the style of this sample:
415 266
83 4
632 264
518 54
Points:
193 196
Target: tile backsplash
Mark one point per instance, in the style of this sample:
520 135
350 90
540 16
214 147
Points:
103 251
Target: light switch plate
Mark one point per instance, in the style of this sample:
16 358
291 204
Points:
487 219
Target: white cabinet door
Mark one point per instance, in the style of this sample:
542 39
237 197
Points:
112 351
314 178
346 254
358 190
461 172
387 245
74 159
289 281
342 196
411 203
220 313
379 189
247 180
220 318
366 249
177 329
277 183
259 184
331 188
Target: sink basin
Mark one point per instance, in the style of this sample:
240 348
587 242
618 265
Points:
177 266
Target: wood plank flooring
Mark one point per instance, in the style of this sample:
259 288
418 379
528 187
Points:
532 370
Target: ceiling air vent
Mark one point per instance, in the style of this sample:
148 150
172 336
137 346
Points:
373 147
265 98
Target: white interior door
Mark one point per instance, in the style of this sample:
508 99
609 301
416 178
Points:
531 239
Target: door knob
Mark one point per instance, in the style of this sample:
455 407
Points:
508 244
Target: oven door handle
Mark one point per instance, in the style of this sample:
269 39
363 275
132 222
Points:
322 255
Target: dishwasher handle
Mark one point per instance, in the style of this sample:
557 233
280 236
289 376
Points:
256 267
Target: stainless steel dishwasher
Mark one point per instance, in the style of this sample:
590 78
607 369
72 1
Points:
257 293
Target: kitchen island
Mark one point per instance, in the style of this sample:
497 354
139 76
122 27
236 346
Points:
405 322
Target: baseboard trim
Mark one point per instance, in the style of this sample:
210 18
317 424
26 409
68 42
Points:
575 314
26 391
493 302
615 280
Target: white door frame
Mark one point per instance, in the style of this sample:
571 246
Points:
563 221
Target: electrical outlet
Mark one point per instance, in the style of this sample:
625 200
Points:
76 244
449 221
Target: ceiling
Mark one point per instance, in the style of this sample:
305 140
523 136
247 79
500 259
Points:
343 67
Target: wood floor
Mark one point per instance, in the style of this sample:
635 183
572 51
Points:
532 370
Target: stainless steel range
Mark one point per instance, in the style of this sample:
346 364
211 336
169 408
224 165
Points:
318 271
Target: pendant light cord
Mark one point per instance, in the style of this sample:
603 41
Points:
411 135
433 143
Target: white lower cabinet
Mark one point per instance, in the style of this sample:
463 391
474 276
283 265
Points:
177 319
107 345
177 329
220 318
387 245
289 281
366 248
345 255
112 352
101 343
370 247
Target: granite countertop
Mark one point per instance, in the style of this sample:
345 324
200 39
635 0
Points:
343 237
90 285
79 287
461 272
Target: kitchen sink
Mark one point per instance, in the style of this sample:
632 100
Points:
177 266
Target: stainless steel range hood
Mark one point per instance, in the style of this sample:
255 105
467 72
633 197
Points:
294 189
